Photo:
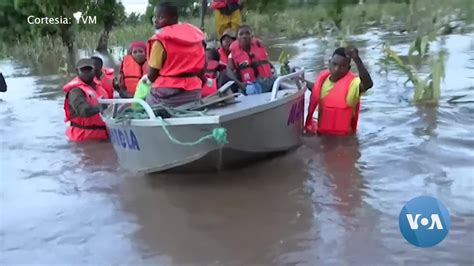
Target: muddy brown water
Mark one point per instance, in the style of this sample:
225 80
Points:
330 202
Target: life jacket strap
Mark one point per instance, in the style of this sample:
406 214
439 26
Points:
91 127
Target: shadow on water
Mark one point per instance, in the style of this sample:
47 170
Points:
242 216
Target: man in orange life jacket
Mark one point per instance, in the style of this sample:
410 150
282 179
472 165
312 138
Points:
337 93
248 64
176 59
81 106
104 75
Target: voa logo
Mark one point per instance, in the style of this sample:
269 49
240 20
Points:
424 221
435 221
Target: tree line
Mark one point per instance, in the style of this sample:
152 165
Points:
14 26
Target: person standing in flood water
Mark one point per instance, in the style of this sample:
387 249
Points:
81 106
337 92
176 59
104 75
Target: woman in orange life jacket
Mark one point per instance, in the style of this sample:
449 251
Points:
249 65
337 93
104 75
132 69
81 105
213 72
176 59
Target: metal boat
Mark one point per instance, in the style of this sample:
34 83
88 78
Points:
253 126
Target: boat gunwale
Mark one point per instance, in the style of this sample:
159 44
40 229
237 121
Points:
209 119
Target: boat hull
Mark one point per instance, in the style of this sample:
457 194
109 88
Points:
256 126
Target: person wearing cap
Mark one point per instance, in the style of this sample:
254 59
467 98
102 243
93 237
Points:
104 75
227 14
81 106
227 38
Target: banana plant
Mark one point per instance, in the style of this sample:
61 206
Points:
427 90
421 44
284 60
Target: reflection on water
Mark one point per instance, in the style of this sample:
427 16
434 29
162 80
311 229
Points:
333 201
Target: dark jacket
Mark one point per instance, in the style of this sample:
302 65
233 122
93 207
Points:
78 105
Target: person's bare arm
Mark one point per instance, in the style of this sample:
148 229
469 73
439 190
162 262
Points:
365 79
153 74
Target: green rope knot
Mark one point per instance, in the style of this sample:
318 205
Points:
220 135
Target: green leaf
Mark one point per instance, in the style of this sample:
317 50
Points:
454 98
412 48
437 75
424 45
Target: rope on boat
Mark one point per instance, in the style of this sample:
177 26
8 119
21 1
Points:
137 112
218 134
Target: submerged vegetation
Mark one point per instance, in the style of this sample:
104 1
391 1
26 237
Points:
426 90
334 20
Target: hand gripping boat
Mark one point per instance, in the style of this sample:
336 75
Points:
233 129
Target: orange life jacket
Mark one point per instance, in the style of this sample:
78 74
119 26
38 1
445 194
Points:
223 56
210 86
251 66
85 128
335 116
185 57
132 73
107 81
218 4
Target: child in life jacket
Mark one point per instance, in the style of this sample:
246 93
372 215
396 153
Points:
212 73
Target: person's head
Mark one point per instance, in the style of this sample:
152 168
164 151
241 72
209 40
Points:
227 38
137 50
212 59
166 14
98 64
212 54
339 64
244 36
85 70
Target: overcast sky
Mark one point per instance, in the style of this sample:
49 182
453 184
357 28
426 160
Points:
137 6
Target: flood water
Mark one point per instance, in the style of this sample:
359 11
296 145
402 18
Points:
330 202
